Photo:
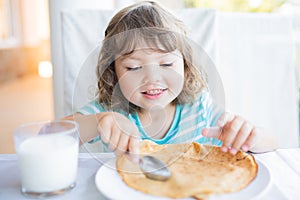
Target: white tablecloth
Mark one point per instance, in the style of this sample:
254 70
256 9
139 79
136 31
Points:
284 166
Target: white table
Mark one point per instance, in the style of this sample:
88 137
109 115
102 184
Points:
284 165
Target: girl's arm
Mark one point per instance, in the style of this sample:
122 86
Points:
114 129
87 126
236 133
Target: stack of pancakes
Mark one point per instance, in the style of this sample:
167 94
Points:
196 170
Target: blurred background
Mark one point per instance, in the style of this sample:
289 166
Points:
26 86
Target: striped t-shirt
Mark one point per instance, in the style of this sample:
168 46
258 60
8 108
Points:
187 125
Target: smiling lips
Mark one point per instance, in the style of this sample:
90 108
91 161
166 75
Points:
154 93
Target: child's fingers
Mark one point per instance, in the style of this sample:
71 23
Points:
213 132
252 140
230 131
242 136
134 148
114 138
105 132
134 145
123 144
225 118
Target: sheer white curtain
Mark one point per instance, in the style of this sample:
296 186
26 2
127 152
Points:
257 63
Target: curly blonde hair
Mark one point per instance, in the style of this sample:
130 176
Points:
144 23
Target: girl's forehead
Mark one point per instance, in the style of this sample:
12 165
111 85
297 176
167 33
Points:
139 54
128 42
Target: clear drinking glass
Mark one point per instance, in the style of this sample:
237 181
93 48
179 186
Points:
48 156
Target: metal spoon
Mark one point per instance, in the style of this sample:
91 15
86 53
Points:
153 168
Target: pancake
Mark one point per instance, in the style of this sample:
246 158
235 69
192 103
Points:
196 170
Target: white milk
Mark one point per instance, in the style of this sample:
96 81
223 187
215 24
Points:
48 163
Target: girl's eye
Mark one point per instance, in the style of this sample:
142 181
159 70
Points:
166 65
133 68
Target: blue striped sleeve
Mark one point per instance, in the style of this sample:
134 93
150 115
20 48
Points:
91 108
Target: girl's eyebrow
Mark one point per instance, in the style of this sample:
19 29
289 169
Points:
129 57
133 57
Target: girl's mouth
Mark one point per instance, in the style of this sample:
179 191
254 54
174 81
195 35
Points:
154 93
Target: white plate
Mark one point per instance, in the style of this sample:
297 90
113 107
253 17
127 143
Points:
111 185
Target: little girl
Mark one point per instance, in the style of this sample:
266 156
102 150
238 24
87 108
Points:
151 88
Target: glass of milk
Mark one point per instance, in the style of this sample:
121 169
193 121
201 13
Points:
48 156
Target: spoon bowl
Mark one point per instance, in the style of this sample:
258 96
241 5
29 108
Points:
154 168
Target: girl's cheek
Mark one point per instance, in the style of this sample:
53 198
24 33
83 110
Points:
129 84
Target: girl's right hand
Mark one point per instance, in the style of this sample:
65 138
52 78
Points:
119 132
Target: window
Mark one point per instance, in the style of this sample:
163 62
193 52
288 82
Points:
9 24
237 5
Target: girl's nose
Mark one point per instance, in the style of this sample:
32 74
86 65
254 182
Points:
152 73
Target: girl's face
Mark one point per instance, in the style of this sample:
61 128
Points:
150 79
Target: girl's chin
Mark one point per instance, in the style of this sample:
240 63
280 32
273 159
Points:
152 105
155 107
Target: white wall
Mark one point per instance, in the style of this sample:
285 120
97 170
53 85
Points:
56 6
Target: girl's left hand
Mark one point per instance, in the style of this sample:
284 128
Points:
235 133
